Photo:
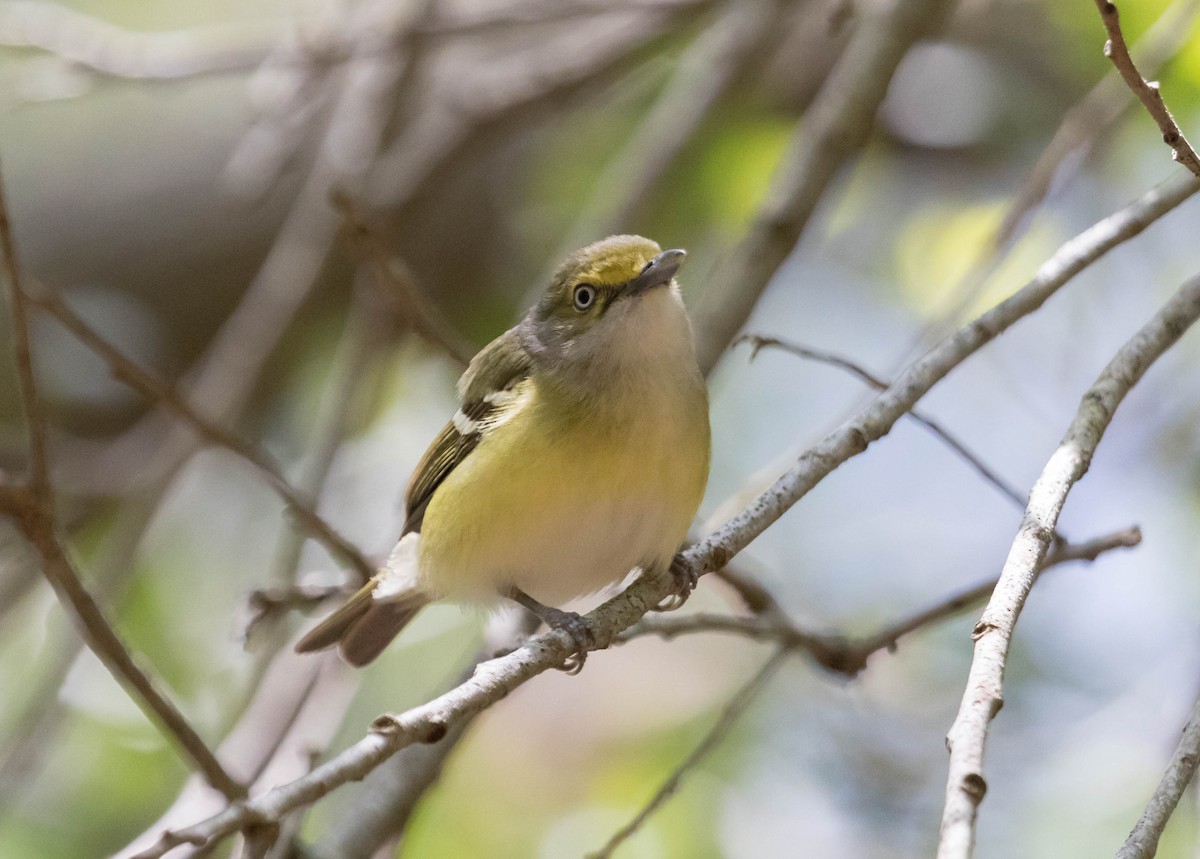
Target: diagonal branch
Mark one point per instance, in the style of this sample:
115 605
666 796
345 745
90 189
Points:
982 698
495 679
32 511
398 286
1117 51
38 528
733 710
758 342
157 391
35 416
1142 842
835 128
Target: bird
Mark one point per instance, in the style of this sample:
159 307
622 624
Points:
580 451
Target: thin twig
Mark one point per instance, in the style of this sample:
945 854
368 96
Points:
845 655
104 642
973 459
965 786
738 704
1142 842
495 679
398 285
836 126
1082 124
1062 552
157 391
1117 51
35 416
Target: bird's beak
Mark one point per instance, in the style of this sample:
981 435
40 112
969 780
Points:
658 272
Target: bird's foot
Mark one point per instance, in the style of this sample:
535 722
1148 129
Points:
579 630
558 620
684 577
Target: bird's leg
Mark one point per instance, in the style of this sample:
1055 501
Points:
557 619
685 578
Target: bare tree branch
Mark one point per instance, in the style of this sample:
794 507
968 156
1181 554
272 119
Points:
157 391
1142 842
495 679
1082 125
982 699
1117 51
758 342
105 643
35 416
836 126
98 46
846 655
33 513
733 710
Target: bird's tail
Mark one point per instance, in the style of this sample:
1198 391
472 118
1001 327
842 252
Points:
376 614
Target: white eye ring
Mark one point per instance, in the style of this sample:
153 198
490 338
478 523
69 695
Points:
584 297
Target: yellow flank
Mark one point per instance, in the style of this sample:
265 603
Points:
561 503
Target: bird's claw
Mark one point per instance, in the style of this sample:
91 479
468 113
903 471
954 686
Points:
685 578
581 634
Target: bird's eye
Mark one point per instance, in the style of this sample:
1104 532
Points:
585 296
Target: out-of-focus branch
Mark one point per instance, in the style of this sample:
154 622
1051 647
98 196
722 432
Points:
982 698
32 510
844 655
495 679
835 128
281 683
35 416
398 286
98 46
758 342
38 528
1148 93
1142 842
1087 119
159 392
702 77
733 710
463 121
1082 125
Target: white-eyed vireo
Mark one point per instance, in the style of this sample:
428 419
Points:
580 451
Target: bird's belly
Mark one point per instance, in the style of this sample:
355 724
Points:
556 523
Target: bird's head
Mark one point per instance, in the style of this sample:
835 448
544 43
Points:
610 304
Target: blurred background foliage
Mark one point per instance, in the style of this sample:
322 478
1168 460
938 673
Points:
151 202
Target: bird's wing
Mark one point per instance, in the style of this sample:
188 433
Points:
484 390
